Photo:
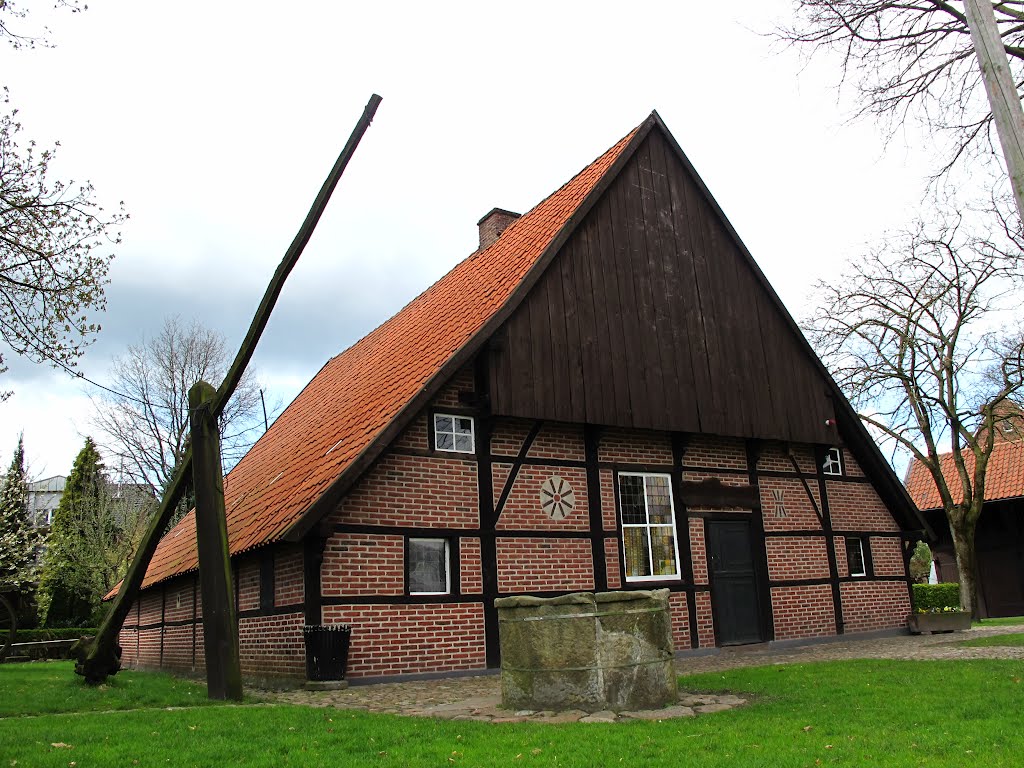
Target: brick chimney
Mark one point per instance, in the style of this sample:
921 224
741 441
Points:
493 224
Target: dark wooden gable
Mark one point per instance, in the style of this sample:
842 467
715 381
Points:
652 316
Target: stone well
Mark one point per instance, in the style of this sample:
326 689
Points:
604 651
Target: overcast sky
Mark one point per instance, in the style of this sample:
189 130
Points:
217 123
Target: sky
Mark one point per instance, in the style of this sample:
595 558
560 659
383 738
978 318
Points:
217 124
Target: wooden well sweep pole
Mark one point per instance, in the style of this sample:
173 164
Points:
99 657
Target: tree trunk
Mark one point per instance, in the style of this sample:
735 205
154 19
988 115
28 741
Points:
966 563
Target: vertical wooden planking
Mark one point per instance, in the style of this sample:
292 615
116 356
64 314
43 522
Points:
592 342
646 338
656 238
578 382
638 396
679 383
715 399
557 374
609 312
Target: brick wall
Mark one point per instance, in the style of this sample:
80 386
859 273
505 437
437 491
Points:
870 605
363 564
797 557
705 621
544 564
471 573
680 621
856 506
523 510
886 556
804 611
633 447
406 639
799 512
423 491
715 453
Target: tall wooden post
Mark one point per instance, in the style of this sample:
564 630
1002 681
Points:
1002 92
220 624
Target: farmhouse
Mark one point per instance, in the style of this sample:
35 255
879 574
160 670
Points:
999 538
606 395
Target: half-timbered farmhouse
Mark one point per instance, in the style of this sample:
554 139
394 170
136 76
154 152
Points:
606 395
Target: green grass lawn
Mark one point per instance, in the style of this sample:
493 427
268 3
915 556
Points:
1001 622
1016 638
855 713
50 687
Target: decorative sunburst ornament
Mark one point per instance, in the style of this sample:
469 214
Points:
557 498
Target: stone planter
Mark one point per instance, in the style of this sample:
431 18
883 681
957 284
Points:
609 651
928 623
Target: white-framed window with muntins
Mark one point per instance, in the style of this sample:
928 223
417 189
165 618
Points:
453 433
833 462
855 556
428 571
650 547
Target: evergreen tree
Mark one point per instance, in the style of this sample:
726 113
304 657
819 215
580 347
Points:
18 539
74 571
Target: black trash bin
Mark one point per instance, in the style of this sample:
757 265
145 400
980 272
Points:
326 651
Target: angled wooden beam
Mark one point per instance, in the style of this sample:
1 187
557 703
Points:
99 657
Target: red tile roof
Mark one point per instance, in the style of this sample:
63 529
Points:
1004 477
358 394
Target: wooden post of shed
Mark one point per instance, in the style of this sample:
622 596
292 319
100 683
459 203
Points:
220 624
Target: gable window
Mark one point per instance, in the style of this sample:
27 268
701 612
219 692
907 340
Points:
855 556
453 433
428 567
649 546
833 463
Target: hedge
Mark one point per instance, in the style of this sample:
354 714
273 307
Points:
61 633
936 598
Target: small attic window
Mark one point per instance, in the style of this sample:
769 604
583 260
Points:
453 433
833 462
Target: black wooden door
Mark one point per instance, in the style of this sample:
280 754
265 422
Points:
734 589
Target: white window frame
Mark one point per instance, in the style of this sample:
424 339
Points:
453 433
647 526
447 564
863 561
833 463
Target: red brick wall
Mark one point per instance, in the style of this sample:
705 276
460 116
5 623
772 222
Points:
558 441
405 639
363 564
715 453
705 621
797 557
856 506
544 564
248 575
611 559
698 552
272 646
869 605
680 620
523 511
886 556
289 588
423 491
471 570
804 611
799 515
633 447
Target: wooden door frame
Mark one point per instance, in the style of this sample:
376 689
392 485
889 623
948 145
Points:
760 582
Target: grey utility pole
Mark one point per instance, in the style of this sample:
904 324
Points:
1002 93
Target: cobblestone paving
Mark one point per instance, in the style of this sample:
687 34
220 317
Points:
479 697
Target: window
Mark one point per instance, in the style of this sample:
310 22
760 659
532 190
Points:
833 463
855 557
649 544
453 433
427 563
